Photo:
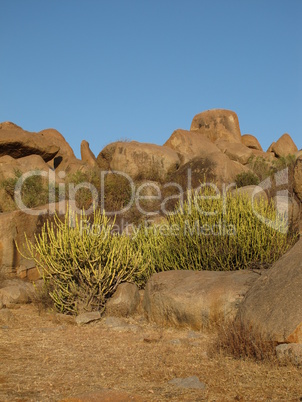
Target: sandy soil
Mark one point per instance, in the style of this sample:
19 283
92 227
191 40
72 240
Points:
44 357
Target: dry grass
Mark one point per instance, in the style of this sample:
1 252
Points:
45 358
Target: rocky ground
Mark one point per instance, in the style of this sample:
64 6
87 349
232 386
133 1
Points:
46 357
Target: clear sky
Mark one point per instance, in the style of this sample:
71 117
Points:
105 70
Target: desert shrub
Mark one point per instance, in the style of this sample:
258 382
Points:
117 192
246 179
34 192
208 232
260 166
236 340
84 197
82 261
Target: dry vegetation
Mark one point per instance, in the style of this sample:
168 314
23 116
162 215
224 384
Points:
45 358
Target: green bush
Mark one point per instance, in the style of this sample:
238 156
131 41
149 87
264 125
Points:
82 261
83 196
35 190
246 179
208 233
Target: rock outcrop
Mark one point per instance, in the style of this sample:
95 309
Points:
273 305
217 124
298 178
18 143
139 160
251 142
195 299
235 151
87 155
190 144
284 146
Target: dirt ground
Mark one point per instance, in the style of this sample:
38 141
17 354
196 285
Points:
44 357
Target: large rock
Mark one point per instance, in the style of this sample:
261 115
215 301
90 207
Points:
9 166
298 177
15 291
284 146
124 302
190 144
139 160
251 142
87 155
217 123
195 299
269 156
235 151
49 144
65 160
13 226
19 143
273 305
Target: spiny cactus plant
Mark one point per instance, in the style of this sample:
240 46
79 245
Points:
215 233
82 261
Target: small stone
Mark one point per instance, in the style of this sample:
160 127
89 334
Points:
85 318
189 382
291 352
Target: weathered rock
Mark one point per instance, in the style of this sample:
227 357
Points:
195 299
188 383
13 226
289 207
235 151
298 153
273 305
251 142
139 160
85 318
105 395
290 352
269 156
190 144
87 155
254 193
18 143
298 177
217 123
124 302
284 146
16 292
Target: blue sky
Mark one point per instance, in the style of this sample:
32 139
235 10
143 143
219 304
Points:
105 70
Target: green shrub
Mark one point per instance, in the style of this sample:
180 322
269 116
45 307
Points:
35 190
207 233
260 166
246 179
83 196
82 261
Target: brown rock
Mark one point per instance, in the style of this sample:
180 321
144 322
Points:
290 352
139 160
105 395
269 156
87 155
298 177
217 123
190 144
18 143
124 302
284 146
16 292
235 151
273 305
251 141
195 299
